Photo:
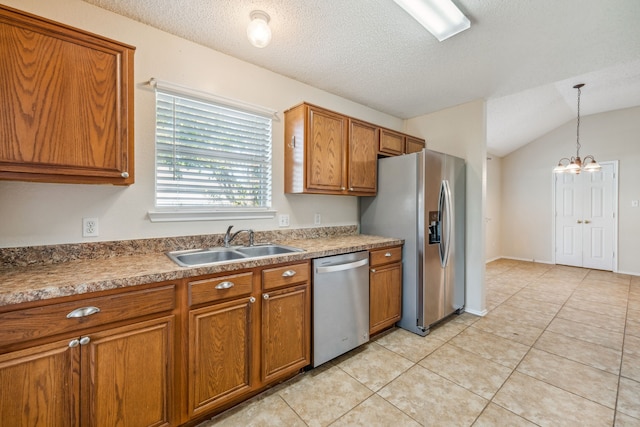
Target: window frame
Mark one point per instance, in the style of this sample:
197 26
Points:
200 213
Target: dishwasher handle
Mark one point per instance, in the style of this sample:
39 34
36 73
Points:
341 267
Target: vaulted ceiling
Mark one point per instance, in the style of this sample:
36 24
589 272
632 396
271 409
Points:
522 57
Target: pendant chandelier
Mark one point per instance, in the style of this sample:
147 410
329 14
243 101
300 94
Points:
575 164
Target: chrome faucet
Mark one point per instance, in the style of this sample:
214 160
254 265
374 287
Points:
228 237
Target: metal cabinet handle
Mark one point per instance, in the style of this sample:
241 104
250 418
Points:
125 174
373 270
350 188
289 273
252 300
225 285
265 296
579 221
85 340
83 312
342 188
74 343
388 254
586 221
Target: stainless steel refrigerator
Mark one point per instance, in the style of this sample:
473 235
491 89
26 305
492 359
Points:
421 199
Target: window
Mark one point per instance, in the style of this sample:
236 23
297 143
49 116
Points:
211 155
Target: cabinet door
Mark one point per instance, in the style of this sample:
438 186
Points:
67 103
127 375
286 331
391 143
40 386
413 145
385 296
363 158
326 163
220 354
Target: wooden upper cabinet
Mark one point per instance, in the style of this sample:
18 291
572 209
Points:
363 158
413 145
66 103
391 142
328 153
325 154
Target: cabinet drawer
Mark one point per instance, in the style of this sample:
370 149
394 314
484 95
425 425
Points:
385 256
49 320
283 276
219 288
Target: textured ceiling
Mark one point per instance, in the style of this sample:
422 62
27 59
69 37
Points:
522 57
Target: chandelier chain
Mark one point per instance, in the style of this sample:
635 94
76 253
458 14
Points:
578 127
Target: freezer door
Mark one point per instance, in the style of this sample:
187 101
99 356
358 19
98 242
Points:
433 279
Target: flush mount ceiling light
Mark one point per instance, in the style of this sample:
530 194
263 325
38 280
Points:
440 17
258 30
575 164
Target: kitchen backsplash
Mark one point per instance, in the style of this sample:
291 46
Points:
54 254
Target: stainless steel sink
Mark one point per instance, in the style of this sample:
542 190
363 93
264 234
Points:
201 257
266 250
190 258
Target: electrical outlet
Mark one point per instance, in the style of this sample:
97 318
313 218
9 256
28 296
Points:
89 227
283 220
317 219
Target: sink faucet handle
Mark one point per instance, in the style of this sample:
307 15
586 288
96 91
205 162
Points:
250 237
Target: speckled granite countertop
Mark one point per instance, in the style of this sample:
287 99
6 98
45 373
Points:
19 284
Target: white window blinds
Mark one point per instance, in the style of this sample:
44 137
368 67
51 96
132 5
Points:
211 155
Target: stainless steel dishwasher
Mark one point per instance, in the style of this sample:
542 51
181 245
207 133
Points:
340 304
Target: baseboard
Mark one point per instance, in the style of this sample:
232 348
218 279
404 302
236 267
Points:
630 273
476 313
539 261
493 259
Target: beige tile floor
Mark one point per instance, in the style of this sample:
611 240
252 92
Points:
560 346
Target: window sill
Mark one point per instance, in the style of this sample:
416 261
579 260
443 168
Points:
213 215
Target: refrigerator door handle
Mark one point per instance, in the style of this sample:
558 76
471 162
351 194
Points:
445 205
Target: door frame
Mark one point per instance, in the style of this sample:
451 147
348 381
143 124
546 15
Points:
616 184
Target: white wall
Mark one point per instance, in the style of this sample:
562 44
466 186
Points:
527 184
461 131
40 214
493 206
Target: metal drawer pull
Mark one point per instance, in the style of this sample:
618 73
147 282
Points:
265 296
225 285
74 343
83 312
85 340
388 254
252 300
125 174
373 270
289 273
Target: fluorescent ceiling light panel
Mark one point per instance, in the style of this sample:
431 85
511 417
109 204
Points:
441 17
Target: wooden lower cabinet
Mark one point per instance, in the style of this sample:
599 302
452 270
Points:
220 354
127 375
385 288
40 386
286 331
114 377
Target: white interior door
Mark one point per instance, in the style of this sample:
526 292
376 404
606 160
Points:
585 218
568 219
